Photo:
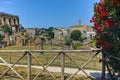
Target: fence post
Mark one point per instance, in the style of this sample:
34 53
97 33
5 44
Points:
29 66
62 65
103 66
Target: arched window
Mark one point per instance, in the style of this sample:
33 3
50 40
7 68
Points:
4 19
10 21
0 22
14 21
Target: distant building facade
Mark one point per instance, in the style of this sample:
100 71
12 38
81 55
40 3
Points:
87 31
61 33
31 31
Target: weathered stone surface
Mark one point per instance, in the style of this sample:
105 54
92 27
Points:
38 40
39 43
31 31
11 20
7 39
31 43
19 41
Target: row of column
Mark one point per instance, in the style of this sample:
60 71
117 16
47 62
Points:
9 21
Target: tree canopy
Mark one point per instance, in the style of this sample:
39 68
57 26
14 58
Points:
50 35
5 28
76 35
1 37
50 29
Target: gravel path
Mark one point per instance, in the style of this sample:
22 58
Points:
93 73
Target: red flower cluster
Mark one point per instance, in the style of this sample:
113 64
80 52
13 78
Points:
102 20
97 27
98 10
93 19
102 17
104 13
101 10
109 22
106 45
103 44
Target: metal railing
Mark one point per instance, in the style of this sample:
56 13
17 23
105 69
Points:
30 55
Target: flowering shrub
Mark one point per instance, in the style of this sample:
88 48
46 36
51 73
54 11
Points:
106 21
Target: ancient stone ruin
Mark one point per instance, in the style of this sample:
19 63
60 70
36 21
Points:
13 22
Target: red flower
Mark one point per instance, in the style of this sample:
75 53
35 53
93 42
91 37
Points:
101 0
106 45
109 22
104 13
101 3
99 43
98 10
97 27
93 19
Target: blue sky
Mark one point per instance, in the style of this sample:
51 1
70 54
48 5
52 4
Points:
46 13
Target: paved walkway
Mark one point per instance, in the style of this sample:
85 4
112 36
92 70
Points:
93 73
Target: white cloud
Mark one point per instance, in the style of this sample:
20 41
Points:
8 2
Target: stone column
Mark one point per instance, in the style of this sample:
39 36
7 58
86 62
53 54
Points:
7 21
2 20
12 21
7 39
17 21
